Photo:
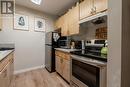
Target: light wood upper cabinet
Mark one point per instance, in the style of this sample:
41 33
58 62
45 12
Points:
100 5
74 23
65 27
69 22
91 7
58 23
86 8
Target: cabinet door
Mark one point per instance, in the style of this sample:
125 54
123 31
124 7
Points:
66 69
64 29
70 21
4 77
12 68
59 65
86 8
100 5
75 20
58 23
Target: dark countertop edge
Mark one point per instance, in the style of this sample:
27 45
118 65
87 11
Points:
91 57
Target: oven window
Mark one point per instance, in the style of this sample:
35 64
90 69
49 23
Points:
86 73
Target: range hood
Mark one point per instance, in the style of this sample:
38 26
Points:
96 19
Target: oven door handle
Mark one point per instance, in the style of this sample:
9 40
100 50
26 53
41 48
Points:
89 61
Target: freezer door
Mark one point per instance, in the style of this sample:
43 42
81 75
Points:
48 57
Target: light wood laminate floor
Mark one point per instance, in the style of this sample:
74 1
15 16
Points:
38 78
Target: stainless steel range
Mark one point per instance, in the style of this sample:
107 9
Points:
89 67
87 72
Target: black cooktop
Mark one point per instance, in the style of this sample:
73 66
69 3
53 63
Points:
91 54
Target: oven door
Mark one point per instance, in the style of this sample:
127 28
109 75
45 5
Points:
85 75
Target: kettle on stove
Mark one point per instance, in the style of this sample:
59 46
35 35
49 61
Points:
104 49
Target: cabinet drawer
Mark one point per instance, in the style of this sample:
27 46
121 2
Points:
59 53
67 56
63 55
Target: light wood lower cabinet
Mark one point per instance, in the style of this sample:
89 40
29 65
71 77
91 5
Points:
59 65
66 69
63 64
6 73
11 70
5 77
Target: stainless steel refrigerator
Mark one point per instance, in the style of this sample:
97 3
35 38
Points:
51 42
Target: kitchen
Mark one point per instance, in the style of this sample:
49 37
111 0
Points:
78 48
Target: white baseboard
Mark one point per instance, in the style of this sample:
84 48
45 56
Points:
29 69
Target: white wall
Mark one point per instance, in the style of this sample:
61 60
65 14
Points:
29 45
114 43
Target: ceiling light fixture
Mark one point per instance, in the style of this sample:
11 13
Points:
38 2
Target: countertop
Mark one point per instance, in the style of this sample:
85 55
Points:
66 50
5 53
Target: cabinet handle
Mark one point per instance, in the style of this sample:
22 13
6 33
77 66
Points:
93 10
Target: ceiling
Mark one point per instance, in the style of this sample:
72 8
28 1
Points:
52 7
